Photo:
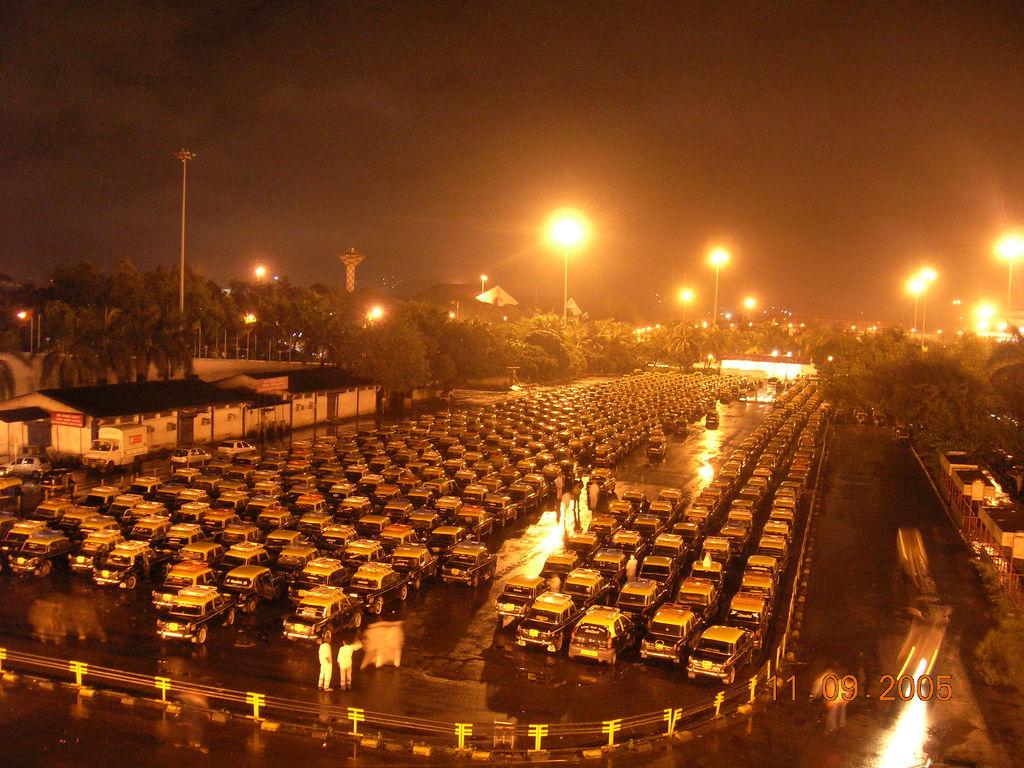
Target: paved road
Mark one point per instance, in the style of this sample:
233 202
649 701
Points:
454 660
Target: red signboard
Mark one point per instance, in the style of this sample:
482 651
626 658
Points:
62 419
275 384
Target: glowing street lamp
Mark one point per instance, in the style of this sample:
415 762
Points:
686 297
376 312
983 314
260 272
718 258
917 286
483 283
250 320
1010 248
749 304
569 230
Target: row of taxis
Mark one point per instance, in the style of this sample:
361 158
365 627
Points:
598 614
347 522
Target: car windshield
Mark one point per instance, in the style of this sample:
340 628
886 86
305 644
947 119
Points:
233 561
103 445
693 598
92 500
312 611
655 570
576 589
464 560
178 581
632 600
715 648
665 629
314 578
518 591
442 539
93 548
363 582
238 581
117 559
33 548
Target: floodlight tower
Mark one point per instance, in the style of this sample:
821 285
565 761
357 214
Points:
351 259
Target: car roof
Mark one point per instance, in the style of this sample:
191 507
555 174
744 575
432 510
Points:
202 546
448 529
745 601
607 555
323 565
697 585
45 535
248 571
130 547
601 615
584 575
522 580
189 568
322 596
671 613
469 548
199 595
723 634
553 601
410 550
640 587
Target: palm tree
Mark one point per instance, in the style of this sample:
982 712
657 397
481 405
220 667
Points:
70 358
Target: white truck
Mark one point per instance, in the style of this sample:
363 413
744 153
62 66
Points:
118 446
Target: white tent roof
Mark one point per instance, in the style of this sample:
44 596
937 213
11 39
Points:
497 296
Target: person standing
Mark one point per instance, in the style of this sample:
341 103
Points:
345 654
593 496
326 666
555 584
631 568
71 485
577 491
559 482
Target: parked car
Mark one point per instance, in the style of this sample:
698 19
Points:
26 466
602 634
232 448
190 457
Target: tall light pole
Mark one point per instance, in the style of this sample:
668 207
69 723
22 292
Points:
686 296
483 283
260 272
917 286
567 229
718 258
1010 248
749 304
184 155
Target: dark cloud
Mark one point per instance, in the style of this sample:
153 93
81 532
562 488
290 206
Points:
836 147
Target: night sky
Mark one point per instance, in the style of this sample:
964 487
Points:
833 148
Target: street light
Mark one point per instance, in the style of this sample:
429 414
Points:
686 297
1010 248
376 312
483 283
718 258
260 272
917 286
984 313
249 319
569 230
184 155
26 314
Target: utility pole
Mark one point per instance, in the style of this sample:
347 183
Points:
184 155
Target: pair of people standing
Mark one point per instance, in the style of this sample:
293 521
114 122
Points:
345 654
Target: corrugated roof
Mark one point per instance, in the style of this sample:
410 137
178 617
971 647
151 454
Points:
314 379
108 400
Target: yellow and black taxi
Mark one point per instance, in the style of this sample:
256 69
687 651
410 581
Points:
280 538
185 476
100 498
152 529
416 561
661 569
236 533
335 537
612 565
779 528
501 507
321 613
354 507
216 521
664 511
671 633
318 572
469 563
371 526
180 535
40 551
398 510
123 505
752 612
548 622
443 539
52 511
18 534
292 559
774 546
448 507
765 565
604 527
674 497
708 569
560 564
629 541
700 596
673 546
128 563
71 520
192 512
622 511
145 486
759 583
193 611
274 517
584 543
232 501
245 553
718 549
719 652
602 634
179 576
478 522
252 584
740 516
339 491
310 503
397 535
586 587
738 537
362 551
375 585
518 594
203 551
640 598
604 478
94 551
96 523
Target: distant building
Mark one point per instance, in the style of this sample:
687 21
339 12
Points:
466 302
498 297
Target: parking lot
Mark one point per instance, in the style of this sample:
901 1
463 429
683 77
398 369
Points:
455 659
